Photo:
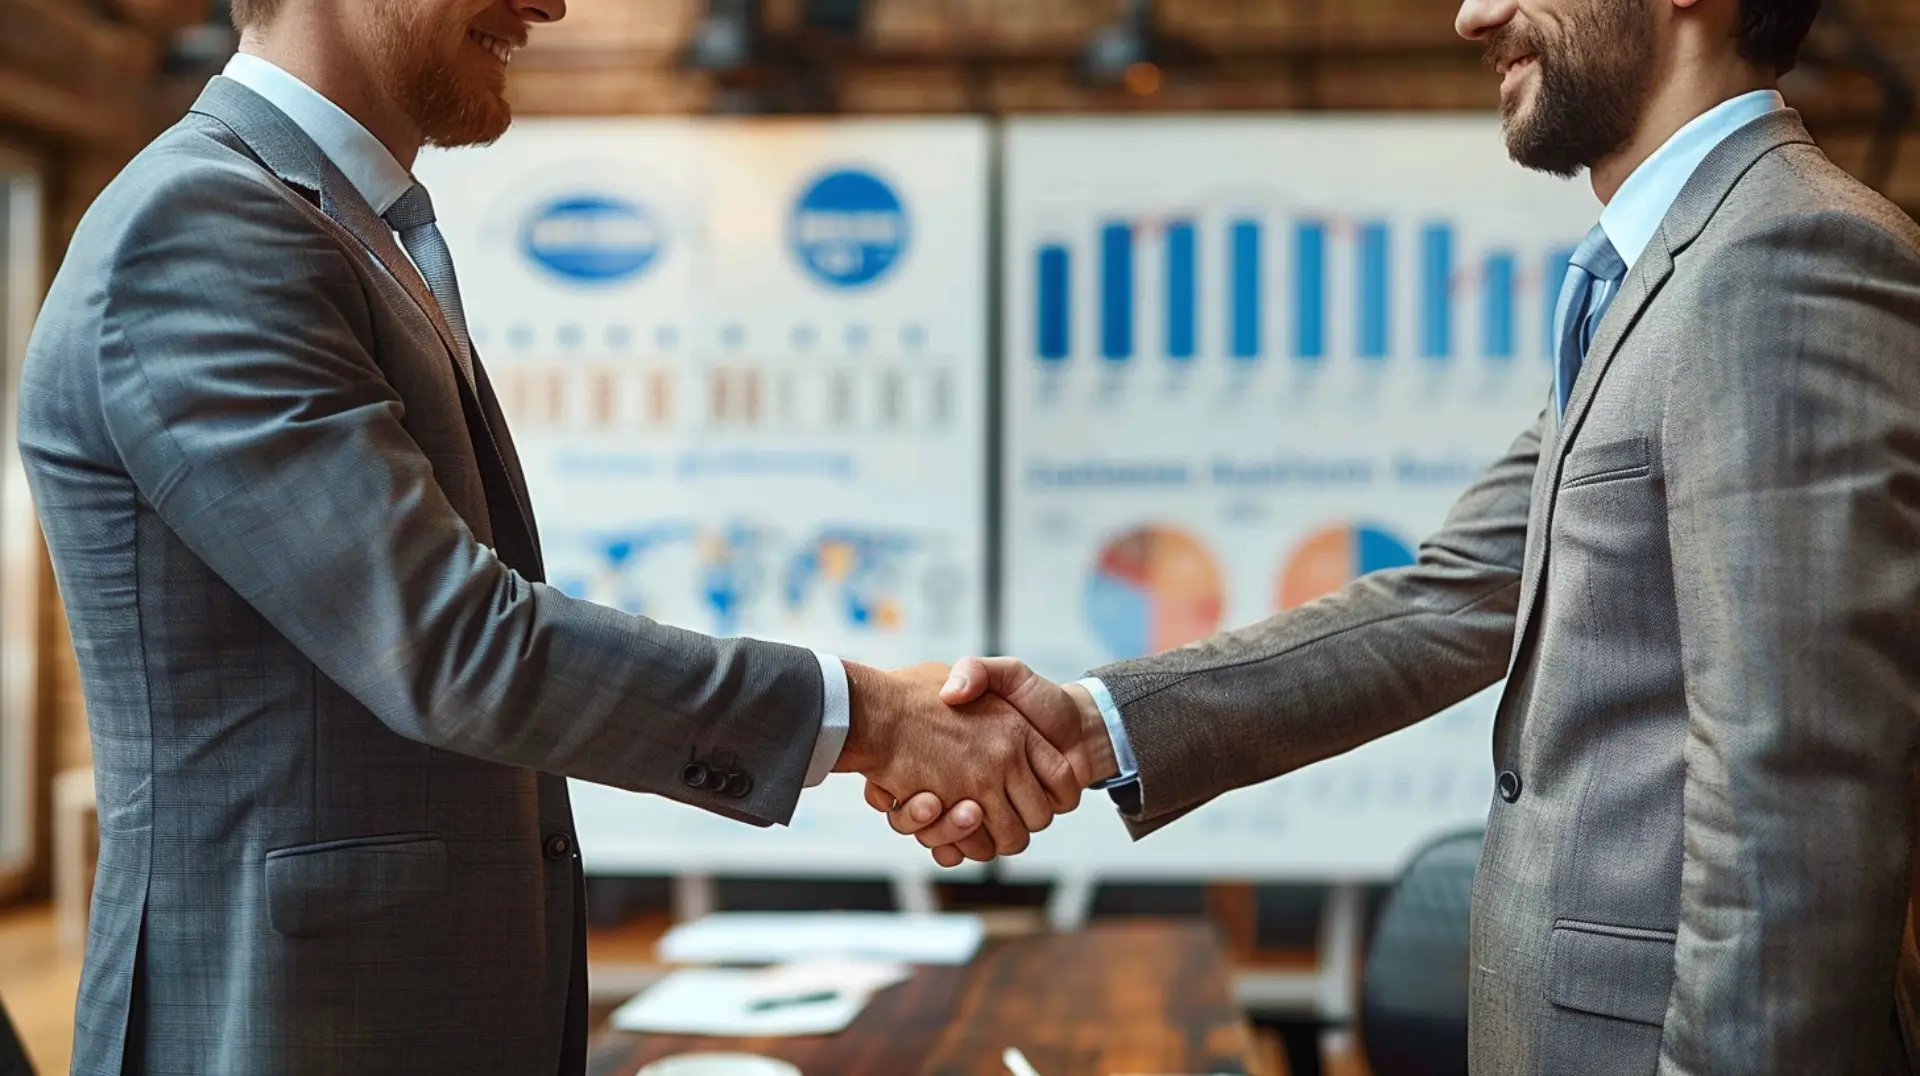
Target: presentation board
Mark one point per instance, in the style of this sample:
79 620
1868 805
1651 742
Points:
1246 360
745 367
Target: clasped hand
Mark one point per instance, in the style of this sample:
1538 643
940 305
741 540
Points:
975 759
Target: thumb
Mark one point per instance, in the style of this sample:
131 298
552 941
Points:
974 677
967 682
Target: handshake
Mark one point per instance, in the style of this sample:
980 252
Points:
976 758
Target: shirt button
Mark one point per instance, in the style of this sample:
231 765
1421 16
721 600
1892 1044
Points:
1509 786
559 846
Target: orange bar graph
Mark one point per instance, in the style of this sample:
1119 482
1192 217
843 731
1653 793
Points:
606 398
750 396
660 397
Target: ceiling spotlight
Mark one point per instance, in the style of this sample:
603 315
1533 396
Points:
841 17
728 39
1124 54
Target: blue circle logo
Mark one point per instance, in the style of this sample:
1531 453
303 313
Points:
593 239
849 229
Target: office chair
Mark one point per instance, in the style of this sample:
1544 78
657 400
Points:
1413 993
13 1054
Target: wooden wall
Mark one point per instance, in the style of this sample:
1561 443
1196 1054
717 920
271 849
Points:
1000 56
76 96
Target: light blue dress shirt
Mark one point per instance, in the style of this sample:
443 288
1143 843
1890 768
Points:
1630 221
381 180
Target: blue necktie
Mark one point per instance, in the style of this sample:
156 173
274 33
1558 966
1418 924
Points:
412 217
1592 281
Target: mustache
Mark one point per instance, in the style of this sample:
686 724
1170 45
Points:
1510 42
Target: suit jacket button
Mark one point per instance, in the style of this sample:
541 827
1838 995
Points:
696 775
1509 786
739 784
559 846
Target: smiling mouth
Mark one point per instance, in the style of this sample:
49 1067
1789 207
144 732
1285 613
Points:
501 48
1517 63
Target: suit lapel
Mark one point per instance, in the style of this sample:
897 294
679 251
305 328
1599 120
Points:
356 216
1702 195
1636 292
285 150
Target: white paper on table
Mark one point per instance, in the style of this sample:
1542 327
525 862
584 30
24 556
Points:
780 937
831 974
717 1001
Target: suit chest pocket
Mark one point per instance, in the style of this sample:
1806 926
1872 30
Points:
1619 460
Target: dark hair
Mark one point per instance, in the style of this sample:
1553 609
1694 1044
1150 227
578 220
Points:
252 12
1770 31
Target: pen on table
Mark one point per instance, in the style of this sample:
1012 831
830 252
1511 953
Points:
769 1004
1016 1062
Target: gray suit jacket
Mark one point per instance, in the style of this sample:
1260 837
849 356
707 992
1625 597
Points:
1703 589
330 699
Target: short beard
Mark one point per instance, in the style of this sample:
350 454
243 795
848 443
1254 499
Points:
449 107
1592 87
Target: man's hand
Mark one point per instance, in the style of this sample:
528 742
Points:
1066 716
903 736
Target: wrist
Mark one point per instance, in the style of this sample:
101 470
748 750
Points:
1096 742
866 691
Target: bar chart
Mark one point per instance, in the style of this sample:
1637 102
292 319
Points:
1260 288
549 387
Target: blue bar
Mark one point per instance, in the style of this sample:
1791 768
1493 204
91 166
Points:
1558 262
1436 337
1116 292
1497 288
1310 295
1246 289
1182 291
1055 270
1376 258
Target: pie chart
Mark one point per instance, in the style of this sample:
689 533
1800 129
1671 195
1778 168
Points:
1153 589
1334 556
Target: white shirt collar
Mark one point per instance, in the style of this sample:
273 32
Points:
366 163
1642 202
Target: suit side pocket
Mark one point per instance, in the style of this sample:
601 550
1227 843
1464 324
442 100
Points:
315 889
1608 986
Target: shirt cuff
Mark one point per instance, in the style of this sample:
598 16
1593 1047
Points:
835 716
1116 732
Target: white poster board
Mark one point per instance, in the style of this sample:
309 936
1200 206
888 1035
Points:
1246 359
745 367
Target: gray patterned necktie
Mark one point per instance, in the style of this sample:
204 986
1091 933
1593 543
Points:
412 217
1592 281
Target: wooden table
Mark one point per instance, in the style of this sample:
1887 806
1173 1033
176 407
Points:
1148 999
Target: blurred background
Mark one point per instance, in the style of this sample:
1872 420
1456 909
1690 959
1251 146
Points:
999 240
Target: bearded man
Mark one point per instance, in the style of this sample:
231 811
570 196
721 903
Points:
332 702
1697 573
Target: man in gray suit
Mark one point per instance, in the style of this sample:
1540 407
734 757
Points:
1696 572
332 703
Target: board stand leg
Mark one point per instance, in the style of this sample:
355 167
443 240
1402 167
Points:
1341 922
914 894
694 897
1070 904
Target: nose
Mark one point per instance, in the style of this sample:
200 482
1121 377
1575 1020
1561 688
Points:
1478 18
539 10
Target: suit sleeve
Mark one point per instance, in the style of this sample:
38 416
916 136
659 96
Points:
1798 592
240 392
1390 649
